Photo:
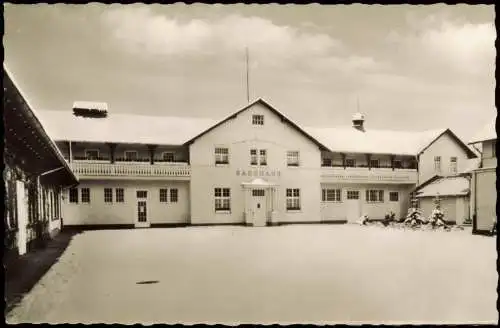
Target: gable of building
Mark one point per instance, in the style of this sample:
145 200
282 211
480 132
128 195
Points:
455 138
271 109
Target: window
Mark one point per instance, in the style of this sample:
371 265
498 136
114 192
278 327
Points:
73 195
453 164
58 205
91 154
394 196
437 164
108 195
331 195
253 157
375 196
168 156
258 192
263 157
258 156
350 162
292 158
374 163
52 209
142 194
292 199
131 155
326 162
85 195
222 199
120 195
221 155
494 149
174 195
258 119
163 195
397 164
352 194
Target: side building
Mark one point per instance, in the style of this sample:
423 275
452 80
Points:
254 167
35 175
484 181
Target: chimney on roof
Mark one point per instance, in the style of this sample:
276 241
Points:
90 109
358 121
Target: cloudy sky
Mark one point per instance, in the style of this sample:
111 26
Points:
412 68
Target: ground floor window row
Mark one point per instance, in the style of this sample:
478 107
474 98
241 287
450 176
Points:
119 195
371 195
222 198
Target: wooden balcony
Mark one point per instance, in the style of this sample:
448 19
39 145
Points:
104 170
365 175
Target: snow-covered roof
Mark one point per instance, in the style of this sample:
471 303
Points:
446 186
348 139
91 105
131 128
124 128
487 132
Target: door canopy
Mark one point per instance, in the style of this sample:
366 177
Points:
258 182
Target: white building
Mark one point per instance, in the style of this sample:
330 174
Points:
254 167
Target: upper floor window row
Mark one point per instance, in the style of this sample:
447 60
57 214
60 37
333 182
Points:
257 119
257 156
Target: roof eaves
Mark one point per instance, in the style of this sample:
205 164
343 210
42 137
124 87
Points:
38 122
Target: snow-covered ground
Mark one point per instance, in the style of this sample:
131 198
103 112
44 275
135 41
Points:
288 274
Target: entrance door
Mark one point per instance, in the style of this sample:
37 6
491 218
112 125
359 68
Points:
259 207
353 206
142 209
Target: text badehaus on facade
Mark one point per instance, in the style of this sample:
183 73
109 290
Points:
255 167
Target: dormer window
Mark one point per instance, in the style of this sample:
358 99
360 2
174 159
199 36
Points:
258 119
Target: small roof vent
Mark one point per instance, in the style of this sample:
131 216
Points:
358 121
90 109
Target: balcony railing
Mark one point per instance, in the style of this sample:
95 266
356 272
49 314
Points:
373 175
380 166
98 169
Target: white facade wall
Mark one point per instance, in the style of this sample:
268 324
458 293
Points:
485 198
455 208
98 212
239 135
345 209
446 147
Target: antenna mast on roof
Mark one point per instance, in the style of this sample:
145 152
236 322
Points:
248 85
